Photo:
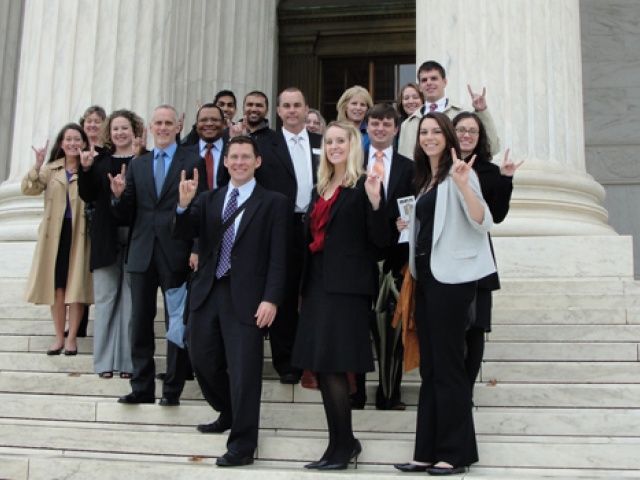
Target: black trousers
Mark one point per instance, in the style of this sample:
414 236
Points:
144 292
445 430
282 333
227 357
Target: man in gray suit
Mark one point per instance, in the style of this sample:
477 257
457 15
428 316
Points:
149 192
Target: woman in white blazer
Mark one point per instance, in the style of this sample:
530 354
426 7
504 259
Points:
449 252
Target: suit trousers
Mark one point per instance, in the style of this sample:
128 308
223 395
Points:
445 430
144 295
227 357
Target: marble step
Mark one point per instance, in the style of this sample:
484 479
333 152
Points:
34 465
566 333
306 418
561 372
379 449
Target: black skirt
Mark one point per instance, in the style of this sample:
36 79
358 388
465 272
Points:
64 252
333 330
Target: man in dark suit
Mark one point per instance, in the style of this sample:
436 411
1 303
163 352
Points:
289 164
155 259
235 293
397 171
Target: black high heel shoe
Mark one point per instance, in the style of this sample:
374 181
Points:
357 450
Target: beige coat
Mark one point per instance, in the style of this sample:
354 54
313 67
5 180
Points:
52 180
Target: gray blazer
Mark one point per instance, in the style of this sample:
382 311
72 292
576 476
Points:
460 251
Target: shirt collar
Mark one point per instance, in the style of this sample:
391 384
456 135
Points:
170 151
288 135
217 145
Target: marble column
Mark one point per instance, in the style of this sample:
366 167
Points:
527 54
126 54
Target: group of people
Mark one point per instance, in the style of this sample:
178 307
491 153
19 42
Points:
289 234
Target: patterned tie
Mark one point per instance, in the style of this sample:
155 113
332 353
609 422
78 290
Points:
301 167
208 161
433 107
224 262
378 166
159 172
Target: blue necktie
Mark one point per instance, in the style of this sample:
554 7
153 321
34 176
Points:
159 172
224 262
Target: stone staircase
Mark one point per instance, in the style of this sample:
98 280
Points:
558 397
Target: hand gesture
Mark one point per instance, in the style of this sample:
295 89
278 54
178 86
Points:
238 129
41 154
478 102
119 182
86 158
181 121
460 169
265 314
372 187
139 144
199 103
188 188
508 167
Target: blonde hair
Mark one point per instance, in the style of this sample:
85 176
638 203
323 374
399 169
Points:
346 97
355 158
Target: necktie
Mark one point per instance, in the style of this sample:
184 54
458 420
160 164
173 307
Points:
208 161
433 107
224 262
159 172
302 169
378 166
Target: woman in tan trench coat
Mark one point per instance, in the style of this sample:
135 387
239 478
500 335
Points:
60 269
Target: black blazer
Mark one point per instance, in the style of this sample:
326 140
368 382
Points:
258 257
400 185
152 215
222 174
94 186
276 172
496 191
354 235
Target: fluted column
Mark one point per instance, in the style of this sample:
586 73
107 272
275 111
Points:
126 54
527 54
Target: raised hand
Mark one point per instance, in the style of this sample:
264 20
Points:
139 144
181 121
460 169
478 102
86 158
372 187
508 167
187 188
119 182
41 154
240 128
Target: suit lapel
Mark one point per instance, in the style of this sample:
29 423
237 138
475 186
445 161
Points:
344 194
281 151
442 196
148 179
174 171
394 177
249 211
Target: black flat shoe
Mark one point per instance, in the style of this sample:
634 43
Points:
106 375
433 470
55 351
169 401
411 467
215 427
135 398
71 352
232 459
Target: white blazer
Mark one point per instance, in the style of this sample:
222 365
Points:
460 250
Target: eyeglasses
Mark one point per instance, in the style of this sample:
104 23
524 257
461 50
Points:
463 131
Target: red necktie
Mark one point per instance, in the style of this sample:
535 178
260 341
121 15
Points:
208 161
432 107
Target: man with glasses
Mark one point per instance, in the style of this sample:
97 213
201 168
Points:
432 81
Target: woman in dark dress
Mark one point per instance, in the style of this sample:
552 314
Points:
496 184
346 225
111 345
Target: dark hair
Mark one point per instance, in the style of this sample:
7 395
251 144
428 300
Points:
431 65
382 111
257 93
483 148
224 93
423 168
137 125
56 151
292 90
401 112
210 105
92 109
242 139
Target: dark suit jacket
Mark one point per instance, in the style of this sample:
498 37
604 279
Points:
258 257
276 172
152 215
222 174
354 235
400 185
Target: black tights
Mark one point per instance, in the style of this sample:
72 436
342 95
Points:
475 352
337 407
